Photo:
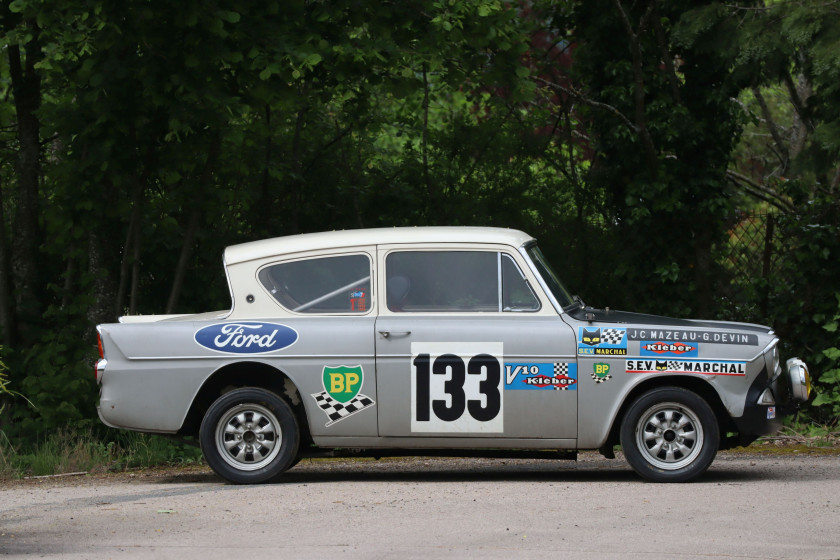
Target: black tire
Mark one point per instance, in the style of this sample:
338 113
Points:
670 434
249 436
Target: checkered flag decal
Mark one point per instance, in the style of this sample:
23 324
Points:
601 379
612 336
674 365
561 369
337 411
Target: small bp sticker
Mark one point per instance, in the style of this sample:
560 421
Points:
601 372
341 398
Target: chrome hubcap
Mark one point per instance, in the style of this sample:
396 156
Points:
669 436
248 437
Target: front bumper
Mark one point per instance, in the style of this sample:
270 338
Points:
768 401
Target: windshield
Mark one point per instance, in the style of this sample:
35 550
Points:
557 289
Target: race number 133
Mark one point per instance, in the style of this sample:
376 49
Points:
457 387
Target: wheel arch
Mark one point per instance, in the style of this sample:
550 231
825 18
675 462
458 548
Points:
239 375
699 386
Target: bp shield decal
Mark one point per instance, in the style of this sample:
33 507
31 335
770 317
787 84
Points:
343 382
341 398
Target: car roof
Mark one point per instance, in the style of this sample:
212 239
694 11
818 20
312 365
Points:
366 237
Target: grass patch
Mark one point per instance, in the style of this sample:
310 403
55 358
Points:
68 451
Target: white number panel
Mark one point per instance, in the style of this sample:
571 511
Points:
457 387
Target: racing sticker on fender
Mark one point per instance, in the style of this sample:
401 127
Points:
341 398
457 387
715 337
558 376
601 372
246 337
662 348
705 367
601 341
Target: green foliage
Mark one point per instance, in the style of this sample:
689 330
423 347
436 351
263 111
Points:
828 396
606 129
72 450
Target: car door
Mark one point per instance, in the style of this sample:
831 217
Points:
468 346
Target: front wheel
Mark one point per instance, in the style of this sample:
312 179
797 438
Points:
249 436
670 435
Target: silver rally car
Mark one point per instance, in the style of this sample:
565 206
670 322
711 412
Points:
435 341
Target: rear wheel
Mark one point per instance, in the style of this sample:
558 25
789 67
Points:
249 436
670 435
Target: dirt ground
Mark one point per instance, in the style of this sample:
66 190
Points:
764 503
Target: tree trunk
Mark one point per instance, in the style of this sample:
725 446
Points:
7 319
192 227
26 85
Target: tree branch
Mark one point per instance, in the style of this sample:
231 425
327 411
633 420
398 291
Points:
761 192
783 152
591 102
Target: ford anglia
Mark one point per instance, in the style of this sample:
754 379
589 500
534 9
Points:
435 341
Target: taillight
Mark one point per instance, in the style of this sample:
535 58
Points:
99 366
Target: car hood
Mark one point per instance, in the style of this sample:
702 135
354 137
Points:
594 315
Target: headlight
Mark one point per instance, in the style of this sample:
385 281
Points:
800 379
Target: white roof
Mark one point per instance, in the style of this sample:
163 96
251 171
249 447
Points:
379 236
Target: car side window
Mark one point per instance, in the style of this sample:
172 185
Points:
455 281
517 294
336 284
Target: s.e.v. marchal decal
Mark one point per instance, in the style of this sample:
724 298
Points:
662 348
560 376
341 398
706 367
600 341
246 337
601 372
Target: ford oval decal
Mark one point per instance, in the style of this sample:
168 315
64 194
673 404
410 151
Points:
246 337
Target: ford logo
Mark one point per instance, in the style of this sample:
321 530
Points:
246 338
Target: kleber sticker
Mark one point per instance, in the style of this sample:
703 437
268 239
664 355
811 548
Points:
457 387
705 367
246 337
602 341
661 348
559 376
714 337
341 398
601 372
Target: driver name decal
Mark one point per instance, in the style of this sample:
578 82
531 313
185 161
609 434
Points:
715 337
246 337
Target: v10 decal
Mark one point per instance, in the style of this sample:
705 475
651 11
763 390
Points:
559 376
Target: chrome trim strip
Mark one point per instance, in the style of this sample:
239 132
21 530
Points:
253 357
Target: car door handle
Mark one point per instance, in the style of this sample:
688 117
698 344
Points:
388 334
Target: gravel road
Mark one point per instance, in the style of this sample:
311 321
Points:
747 506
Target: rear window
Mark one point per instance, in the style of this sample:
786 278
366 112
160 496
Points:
339 284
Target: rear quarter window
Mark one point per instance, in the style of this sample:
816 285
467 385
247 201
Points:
334 284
